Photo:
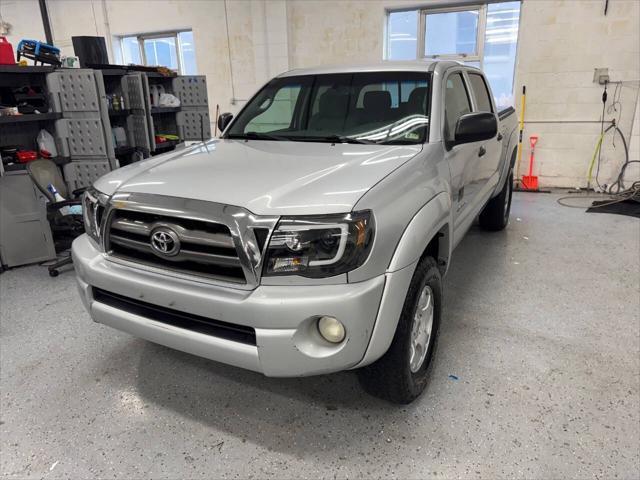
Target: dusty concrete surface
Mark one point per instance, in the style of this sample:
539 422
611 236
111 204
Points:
542 333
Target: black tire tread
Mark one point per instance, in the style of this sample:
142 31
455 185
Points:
492 217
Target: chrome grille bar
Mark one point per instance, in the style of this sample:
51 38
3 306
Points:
190 236
184 255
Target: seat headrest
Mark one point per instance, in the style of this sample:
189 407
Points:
417 96
332 104
378 100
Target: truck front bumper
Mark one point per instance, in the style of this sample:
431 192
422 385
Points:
283 317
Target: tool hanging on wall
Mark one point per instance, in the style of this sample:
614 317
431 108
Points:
522 109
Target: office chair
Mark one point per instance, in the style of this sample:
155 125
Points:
64 228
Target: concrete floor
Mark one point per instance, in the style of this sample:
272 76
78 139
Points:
541 327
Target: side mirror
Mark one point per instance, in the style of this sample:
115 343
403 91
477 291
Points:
223 120
475 127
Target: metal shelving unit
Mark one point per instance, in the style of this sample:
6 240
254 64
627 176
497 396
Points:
25 235
131 117
32 117
80 119
145 120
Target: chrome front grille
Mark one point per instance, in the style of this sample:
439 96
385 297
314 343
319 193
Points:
205 248
220 243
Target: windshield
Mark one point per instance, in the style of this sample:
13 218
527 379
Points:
370 107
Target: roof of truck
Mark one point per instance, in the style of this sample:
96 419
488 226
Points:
388 66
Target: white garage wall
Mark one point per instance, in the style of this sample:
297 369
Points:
246 38
257 34
561 42
24 15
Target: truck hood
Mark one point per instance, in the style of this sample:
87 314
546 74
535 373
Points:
265 177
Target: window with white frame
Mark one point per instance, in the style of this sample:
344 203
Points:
174 50
484 36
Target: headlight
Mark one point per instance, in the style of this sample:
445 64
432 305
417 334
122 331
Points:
321 245
93 206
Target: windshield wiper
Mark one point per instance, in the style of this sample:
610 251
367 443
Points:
343 139
256 136
268 136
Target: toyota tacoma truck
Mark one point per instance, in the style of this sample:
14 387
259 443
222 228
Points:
313 235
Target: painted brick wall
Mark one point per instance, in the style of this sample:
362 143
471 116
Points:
561 42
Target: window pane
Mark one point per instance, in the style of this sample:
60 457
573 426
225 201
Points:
402 34
131 51
500 46
161 52
481 93
371 107
188 51
277 114
379 107
456 104
452 33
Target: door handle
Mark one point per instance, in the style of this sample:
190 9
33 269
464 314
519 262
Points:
482 151
499 137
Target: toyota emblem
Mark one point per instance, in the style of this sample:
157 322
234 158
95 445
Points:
165 242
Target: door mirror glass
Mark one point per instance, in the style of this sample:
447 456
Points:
223 120
475 127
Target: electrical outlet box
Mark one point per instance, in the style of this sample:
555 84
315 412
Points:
601 76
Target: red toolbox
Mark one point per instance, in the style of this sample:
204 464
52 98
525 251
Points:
6 52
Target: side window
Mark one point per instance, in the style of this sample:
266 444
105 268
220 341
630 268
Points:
481 92
456 104
276 114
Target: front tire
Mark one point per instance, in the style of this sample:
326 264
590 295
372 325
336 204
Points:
402 373
495 215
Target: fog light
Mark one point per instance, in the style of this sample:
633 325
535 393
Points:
331 329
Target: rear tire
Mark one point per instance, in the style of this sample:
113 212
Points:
495 215
402 373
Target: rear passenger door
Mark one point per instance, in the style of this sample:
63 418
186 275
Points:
461 158
486 165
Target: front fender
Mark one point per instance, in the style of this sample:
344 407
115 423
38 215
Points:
430 221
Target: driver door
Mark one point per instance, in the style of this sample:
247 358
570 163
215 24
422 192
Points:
461 158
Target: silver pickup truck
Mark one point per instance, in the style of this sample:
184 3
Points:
313 236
